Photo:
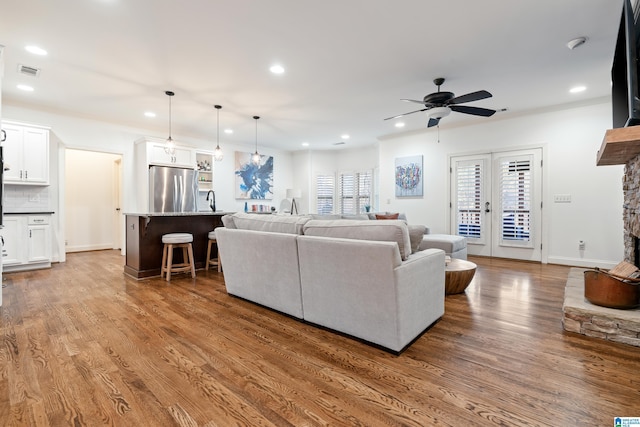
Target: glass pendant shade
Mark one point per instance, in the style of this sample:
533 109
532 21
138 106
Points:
217 154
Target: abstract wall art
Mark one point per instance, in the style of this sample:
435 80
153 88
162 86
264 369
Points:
253 181
409 176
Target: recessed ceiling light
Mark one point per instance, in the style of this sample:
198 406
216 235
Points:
36 50
277 69
228 131
25 88
400 124
345 136
578 89
305 144
150 114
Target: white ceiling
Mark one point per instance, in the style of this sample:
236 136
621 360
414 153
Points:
348 62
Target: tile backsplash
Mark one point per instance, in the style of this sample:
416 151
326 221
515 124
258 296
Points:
21 198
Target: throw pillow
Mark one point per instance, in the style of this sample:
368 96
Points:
416 233
387 216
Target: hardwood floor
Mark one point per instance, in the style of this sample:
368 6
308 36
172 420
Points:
82 344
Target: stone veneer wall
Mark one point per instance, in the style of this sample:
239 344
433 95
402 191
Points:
582 317
631 207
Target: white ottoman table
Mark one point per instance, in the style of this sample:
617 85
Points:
454 246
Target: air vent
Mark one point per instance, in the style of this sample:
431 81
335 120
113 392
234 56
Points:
29 71
339 143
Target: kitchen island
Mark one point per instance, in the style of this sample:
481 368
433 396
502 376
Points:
144 238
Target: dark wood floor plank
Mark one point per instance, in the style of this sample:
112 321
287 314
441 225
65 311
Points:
84 344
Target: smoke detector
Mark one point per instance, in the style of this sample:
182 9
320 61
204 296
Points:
29 71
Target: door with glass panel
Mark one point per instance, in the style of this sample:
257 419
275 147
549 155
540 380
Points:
496 202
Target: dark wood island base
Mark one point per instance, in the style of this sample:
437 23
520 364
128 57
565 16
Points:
144 238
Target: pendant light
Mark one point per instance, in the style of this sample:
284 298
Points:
255 158
217 154
170 146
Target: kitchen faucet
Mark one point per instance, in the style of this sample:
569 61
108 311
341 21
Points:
212 201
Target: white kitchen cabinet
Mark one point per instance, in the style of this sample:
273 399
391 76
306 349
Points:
12 236
181 157
26 154
27 242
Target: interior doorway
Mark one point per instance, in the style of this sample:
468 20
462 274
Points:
93 197
496 202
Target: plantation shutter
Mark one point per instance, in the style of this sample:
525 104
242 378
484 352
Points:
354 192
515 199
325 188
469 189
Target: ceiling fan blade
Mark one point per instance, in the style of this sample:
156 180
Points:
476 111
473 96
433 122
400 115
412 100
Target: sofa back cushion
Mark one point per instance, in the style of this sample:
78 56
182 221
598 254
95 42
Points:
271 223
386 231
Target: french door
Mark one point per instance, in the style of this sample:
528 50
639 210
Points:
496 202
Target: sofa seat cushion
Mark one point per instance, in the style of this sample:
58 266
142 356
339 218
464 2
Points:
450 244
270 223
386 231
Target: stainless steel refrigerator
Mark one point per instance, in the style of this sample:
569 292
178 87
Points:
173 189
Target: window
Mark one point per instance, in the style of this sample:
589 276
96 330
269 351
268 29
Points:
352 194
325 187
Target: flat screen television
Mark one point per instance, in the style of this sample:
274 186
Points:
625 96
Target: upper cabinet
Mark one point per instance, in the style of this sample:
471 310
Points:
182 157
26 154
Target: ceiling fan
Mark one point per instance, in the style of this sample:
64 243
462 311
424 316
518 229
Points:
441 104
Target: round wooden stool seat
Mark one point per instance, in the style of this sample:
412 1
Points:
175 238
215 261
174 241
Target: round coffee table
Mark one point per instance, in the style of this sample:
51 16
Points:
457 276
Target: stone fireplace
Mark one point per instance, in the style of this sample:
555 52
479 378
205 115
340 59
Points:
631 210
619 147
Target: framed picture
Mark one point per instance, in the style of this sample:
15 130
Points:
253 181
409 176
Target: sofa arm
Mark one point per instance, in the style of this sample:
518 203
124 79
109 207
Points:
420 291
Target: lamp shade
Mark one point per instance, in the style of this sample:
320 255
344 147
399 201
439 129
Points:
293 194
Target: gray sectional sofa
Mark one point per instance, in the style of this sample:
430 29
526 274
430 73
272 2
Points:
358 277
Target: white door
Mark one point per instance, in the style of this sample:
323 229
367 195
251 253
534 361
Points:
496 201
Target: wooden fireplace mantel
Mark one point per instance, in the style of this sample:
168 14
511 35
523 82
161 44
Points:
619 146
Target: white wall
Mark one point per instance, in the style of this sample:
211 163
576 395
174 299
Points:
570 138
85 134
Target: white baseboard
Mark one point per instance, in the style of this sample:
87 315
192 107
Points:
581 262
84 248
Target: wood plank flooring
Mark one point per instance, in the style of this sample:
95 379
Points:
82 344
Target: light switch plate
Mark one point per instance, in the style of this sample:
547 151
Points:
562 198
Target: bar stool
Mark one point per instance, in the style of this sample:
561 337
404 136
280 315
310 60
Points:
174 241
216 261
